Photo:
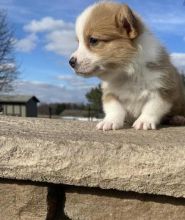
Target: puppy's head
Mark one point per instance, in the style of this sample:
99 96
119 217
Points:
106 33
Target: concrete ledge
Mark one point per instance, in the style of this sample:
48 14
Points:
74 153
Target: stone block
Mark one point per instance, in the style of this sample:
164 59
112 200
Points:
22 202
94 204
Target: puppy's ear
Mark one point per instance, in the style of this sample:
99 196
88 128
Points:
125 19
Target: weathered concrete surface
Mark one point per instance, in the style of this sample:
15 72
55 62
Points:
22 202
88 204
74 153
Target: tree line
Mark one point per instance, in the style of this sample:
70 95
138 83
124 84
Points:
91 109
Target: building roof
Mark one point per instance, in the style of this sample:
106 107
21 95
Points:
17 98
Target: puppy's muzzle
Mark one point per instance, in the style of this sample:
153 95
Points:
73 62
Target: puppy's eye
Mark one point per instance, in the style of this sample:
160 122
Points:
93 41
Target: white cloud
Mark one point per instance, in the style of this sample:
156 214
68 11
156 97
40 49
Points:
58 36
165 16
178 60
50 93
76 82
168 23
171 19
16 11
61 42
26 44
47 24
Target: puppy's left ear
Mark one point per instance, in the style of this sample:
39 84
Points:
125 19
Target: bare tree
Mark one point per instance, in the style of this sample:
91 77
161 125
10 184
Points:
8 68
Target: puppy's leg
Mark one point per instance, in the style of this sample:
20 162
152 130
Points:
152 113
114 114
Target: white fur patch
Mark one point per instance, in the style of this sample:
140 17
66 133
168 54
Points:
149 47
84 56
81 21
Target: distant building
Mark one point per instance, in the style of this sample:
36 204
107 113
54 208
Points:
20 105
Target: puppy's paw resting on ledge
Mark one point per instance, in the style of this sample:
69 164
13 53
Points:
145 123
108 124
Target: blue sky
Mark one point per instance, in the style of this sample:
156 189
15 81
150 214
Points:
44 34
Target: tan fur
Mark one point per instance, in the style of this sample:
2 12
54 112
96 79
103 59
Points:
107 24
126 18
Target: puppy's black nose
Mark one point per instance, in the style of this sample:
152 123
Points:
73 61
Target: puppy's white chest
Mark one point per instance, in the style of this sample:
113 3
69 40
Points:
133 96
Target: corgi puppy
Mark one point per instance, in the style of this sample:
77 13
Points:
139 82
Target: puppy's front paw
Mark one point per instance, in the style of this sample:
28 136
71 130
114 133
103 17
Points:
106 124
145 123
